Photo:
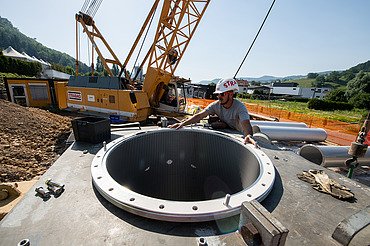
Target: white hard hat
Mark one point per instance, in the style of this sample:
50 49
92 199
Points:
226 85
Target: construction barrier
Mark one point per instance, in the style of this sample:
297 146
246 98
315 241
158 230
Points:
285 115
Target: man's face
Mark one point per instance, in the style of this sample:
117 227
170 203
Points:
224 97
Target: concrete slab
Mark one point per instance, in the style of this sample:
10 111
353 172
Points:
310 216
81 216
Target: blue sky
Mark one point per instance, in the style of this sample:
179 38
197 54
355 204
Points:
299 36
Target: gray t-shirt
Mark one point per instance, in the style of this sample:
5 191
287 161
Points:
232 116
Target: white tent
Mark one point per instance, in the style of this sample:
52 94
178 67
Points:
10 52
33 57
29 58
45 63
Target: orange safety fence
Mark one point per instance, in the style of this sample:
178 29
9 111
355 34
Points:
199 102
285 115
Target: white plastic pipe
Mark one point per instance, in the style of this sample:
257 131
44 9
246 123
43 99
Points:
330 156
278 123
297 134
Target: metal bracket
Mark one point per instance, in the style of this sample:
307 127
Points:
349 227
255 216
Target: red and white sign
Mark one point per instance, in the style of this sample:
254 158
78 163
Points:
229 83
74 95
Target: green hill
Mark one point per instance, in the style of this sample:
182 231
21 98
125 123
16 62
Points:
333 79
11 36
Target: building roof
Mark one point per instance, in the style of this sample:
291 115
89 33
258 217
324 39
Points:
242 82
258 87
279 84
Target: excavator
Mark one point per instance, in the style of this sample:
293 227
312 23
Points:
125 97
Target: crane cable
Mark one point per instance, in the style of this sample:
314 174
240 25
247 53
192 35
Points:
142 44
93 8
84 7
255 38
79 44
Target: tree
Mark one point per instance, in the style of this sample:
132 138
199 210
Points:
11 36
255 83
70 70
361 101
348 75
99 65
312 75
319 81
10 65
115 70
337 95
360 84
333 77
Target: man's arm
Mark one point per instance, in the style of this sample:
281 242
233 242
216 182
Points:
194 119
248 132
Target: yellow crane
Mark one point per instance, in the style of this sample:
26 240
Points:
160 92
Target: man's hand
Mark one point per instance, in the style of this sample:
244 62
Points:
176 126
249 139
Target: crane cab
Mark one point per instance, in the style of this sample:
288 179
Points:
173 100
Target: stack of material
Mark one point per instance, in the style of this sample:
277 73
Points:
286 131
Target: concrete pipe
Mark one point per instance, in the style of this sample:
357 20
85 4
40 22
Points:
298 134
185 175
330 156
278 123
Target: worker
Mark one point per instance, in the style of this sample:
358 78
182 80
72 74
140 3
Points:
230 111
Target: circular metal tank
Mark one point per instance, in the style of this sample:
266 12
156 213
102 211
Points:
182 175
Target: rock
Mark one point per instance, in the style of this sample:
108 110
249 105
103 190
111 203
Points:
3 194
2 215
50 148
38 158
10 189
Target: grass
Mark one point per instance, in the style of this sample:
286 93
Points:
305 83
353 116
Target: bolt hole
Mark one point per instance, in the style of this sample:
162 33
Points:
99 177
98 156
249 195
268 163
202 240
263 154
110 189
263 184
161 206
24 242
195 208
132 199
96 166
268 173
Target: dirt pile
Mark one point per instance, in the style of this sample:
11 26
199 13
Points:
31 140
